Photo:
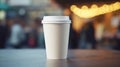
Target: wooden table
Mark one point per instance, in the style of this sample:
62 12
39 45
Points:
76 58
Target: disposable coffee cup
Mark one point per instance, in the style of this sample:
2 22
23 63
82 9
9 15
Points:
56 33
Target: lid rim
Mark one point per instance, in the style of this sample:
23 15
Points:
56 22
56 19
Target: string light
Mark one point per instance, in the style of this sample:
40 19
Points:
94 6
84 7
85 12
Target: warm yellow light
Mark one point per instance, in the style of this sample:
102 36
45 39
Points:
85 12
94 6
73 7
84 7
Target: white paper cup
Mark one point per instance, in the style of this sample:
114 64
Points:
56 31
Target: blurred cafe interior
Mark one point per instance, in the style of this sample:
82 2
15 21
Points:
95 23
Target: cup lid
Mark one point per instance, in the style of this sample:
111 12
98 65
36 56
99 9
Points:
56 19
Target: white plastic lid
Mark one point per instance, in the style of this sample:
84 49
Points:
56 19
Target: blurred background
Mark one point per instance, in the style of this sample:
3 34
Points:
95 23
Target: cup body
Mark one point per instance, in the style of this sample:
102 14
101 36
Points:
56 39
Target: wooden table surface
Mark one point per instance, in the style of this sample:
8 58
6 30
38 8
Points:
76 58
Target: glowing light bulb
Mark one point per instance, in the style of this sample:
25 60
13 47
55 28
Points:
105 8
94 6
72 7
84 7
86 12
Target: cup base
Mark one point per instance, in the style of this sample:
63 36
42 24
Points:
55 58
